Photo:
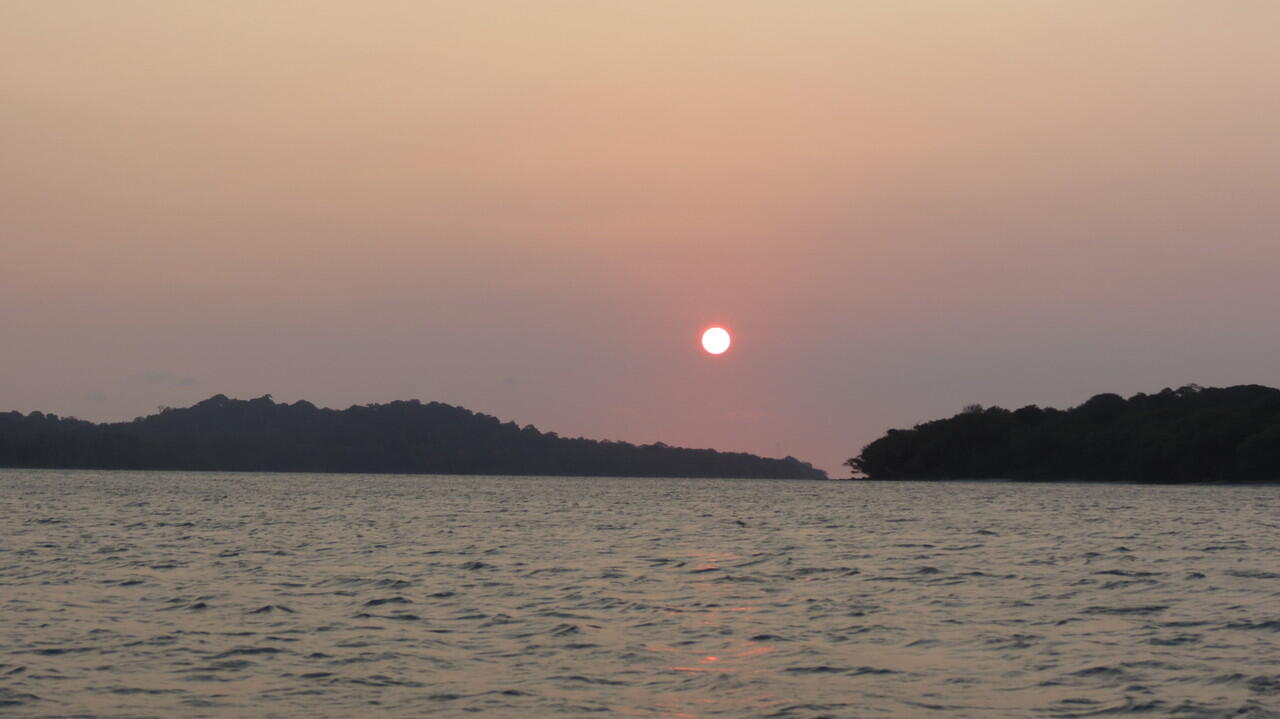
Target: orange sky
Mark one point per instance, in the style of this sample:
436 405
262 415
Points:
532 209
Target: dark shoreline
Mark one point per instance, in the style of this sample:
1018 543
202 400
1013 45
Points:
403 437
1192 435
1129 482
511 475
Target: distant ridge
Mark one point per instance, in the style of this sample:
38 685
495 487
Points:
1191 434
410 437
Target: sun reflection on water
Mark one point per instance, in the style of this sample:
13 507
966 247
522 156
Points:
733 663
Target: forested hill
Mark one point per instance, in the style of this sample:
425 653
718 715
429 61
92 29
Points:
1191 434
403 437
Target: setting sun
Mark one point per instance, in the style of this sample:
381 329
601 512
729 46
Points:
715 340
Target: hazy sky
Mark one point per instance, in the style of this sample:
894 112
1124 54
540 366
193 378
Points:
532 209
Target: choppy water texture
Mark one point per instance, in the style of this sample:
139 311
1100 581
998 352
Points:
171 594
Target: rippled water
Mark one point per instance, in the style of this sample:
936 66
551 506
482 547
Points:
172 594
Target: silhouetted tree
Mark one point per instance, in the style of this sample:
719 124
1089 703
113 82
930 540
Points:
1188 434
404 437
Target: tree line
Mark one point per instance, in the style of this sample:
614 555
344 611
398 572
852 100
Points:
1190 434
410 437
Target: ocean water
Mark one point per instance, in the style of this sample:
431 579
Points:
131 594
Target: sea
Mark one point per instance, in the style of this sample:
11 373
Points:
176 594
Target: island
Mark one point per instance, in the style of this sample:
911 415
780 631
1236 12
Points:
403 437
1191 434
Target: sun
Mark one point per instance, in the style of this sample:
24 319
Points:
716 340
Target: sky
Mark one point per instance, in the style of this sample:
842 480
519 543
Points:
533 209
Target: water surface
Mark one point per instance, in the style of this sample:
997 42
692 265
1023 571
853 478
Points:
130 594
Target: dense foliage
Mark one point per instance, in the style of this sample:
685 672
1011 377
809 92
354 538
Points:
401 437
1185 435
